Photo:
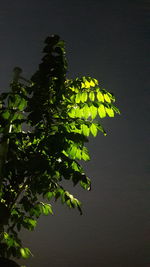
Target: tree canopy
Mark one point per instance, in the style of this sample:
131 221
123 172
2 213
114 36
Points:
45 123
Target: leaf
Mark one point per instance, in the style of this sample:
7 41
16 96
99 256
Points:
72 113
93 129
78 98
29 223
115 109
93 110
84 97
72 151
49 195
86 111
85 130
110 112
92 96
100 128
92 83
100 96
107 98
25 253
78 154
6 114
85 154
87 84
101 111
86 183
22 104
46 208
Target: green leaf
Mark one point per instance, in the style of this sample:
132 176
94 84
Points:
72 113
46 208
22 104
93 129
100 96
6 114
78 98
78 154
85 154
109 111
115 109
86 183
101 111
93 110
49 195
107 98
25 253
84 97
30 223
92 96
72 151
85 130
86 111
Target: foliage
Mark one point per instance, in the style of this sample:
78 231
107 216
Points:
44 126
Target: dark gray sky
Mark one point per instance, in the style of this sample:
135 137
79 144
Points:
108 40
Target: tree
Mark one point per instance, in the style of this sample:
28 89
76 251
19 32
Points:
44 125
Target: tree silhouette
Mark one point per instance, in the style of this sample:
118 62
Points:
44 125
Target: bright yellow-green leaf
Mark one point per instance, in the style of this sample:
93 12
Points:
100 96
102 111
86 111
110 112
107 98
82 85
79 113
85 154
87 84
72 152
85 130
84 97
72 113
92 96
92 83
93 129
78 154
93 110
78 98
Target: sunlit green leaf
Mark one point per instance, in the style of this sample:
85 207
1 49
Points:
93 110
84 97
72 151
86 111
85 154
92 96
93 129
110 112
107 98
78 154
102 111
78 97
85 130
100 96
46 208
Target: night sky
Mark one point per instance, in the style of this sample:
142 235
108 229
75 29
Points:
108 40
